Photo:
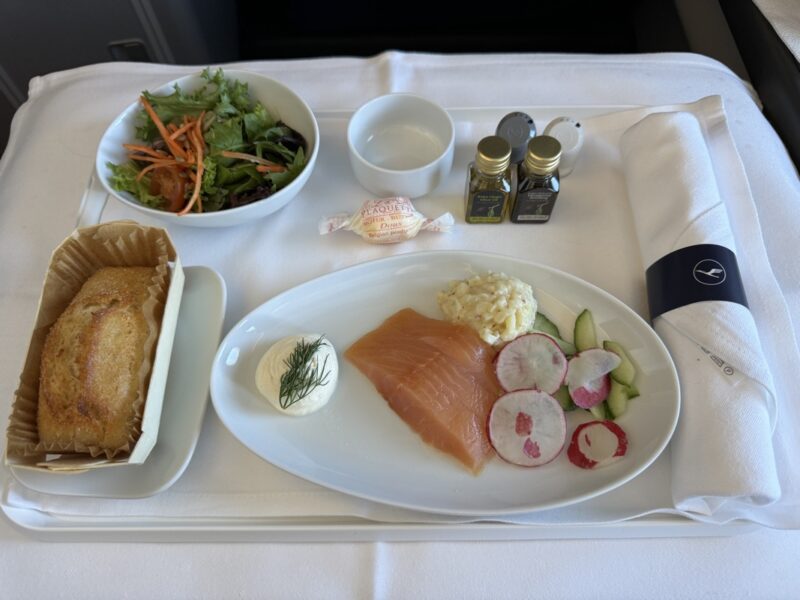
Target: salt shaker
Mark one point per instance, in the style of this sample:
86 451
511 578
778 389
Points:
569 133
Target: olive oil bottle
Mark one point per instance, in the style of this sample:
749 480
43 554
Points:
489 182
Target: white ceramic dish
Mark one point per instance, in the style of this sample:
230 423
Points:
400 145
356 444
197 334
281 102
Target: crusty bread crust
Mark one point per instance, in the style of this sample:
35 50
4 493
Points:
90 367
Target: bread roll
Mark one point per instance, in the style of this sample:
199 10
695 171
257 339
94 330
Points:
92 359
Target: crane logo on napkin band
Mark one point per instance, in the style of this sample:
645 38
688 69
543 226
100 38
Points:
701 273
709 272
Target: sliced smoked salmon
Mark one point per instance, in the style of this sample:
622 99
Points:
438 377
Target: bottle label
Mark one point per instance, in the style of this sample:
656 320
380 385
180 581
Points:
486 206
534 205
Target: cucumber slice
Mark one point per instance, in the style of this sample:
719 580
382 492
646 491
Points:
600 411
564 399
617 398
545 325
625 373
567 348
585 334
633 391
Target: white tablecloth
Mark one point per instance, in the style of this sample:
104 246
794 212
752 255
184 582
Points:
43 175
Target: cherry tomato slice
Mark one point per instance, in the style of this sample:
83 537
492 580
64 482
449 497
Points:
170 184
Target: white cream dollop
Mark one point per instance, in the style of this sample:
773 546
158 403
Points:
273 364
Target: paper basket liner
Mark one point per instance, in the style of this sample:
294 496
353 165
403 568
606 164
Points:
86 251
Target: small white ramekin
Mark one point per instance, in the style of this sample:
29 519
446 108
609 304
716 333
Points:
400 145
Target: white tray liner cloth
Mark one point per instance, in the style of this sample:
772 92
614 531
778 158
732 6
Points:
443 81
722 454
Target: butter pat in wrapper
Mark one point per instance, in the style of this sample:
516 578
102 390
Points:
386 221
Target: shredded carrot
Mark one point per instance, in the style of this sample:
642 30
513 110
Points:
174 148
270 169
153 159
178 131
155 166
186 149
196 138
145 150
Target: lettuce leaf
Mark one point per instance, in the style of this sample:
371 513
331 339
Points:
233 97
123 179
172 108
215 201
258 123
225 135
278 149
208 185
228 176
281 180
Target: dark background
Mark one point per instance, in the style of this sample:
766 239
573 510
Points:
365 28
43 36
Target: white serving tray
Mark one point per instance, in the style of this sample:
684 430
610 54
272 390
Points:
48 526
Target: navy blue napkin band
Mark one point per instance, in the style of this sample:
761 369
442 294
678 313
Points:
694 274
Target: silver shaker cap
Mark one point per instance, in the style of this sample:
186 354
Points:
517 129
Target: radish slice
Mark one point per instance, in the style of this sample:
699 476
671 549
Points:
591 394
527 428
587 376
532 361
597 443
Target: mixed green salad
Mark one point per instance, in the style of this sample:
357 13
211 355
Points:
208 150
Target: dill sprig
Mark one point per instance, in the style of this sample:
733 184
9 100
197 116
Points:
300 377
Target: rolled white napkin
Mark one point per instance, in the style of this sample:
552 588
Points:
722 451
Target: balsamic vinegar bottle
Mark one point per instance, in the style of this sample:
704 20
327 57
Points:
539 183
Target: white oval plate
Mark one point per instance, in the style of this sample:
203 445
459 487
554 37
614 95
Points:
357 445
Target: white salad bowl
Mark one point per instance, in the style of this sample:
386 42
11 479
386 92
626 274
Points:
283 105
400 145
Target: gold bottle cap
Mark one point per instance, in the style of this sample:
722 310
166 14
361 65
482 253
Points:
493 156
544 153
